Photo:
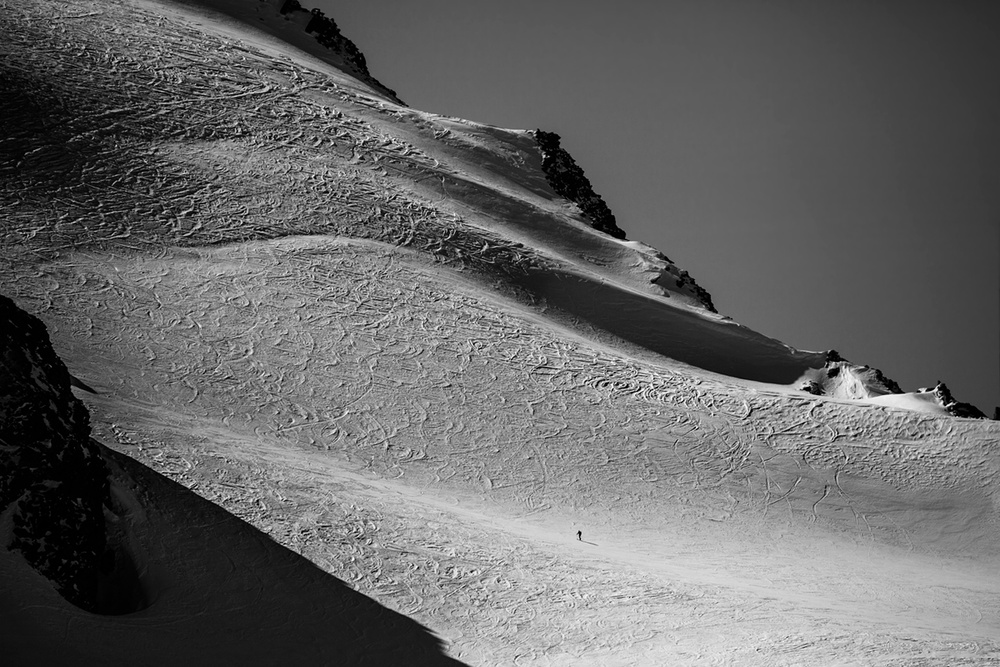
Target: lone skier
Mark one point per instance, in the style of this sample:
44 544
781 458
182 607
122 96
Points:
579 535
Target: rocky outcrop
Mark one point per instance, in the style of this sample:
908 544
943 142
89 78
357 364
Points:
955 408
875 378
685 281
328 34
53 480
568 180
840 378
566 177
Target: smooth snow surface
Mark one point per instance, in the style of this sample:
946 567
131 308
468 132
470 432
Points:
910 401
378 337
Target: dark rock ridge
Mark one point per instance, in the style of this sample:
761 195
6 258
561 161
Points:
686 281
53 480
328 34
955 408
568 180
566 177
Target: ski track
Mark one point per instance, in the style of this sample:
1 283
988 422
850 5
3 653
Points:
328 367
475 407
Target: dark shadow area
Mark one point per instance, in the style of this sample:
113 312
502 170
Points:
120 585
218 591
719 347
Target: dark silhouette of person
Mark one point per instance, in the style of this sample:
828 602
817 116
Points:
579 535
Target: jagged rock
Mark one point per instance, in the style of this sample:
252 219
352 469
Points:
566 177
812 387
835 362
53 481
687 281
569 181
874 379
839 378
865 381
889 383
328 34
955 408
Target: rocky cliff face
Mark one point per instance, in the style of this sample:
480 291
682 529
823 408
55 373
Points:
53 481
328 34
569 181
566 177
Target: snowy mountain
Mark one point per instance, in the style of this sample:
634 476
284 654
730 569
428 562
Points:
356 375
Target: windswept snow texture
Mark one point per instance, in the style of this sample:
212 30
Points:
381 338
339 50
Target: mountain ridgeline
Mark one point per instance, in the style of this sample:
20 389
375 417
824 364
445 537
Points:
561 171
48 114
328 34
568 180
291 373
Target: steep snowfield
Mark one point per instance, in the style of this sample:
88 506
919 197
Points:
378 336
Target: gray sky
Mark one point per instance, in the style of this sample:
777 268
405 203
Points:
829 171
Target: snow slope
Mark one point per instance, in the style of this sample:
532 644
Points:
216 591
379 336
